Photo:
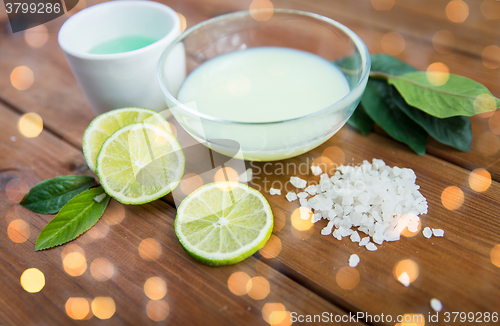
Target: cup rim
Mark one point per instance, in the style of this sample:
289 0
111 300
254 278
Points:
113 56
365 59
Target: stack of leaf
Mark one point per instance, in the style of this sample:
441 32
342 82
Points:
409 105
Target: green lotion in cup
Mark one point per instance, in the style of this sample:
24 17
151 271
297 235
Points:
122 44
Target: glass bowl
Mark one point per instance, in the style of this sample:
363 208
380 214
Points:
268 141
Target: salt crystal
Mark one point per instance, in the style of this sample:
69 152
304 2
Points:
355 236
354 260
291 196
298 182
316 217
345 232
364 241
427 232
274 191
337 235
370 246
303 202
327 229
316 170
436 305
438 232
305 213
312 189
404 279
302 194
246 176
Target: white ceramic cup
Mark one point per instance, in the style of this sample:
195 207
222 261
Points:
126 79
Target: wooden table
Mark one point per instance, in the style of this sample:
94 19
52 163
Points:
132 244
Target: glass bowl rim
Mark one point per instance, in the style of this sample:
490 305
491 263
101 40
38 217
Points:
350 97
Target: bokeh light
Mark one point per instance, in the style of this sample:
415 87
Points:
257 5
490 9
452 198
30 125
407 266
491 57
78 308
37 36
479 180
183 21
347 277
18 231
407 233
237 283
487 143
99 230
393 43
301 224
443 41
495 255
382 4
150 249
101 269
155 288
190 182
438 73
270 308
114 213
325 163
15 189
73 258
32 280
457 11
157 310
336 155
226 174
272 247
103 307
485 105
258 288
22 78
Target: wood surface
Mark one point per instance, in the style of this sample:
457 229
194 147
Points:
457 269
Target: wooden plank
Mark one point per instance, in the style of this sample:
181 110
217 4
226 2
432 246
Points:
197 294
450 268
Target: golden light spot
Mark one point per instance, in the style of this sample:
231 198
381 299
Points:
99 230
280 318
301 224
279 221
155 288
32 280
443 41
325 163
452 198
157 310
103 307
382 4
150 249
18 231
75 263
30 125
479 180
407 266
457 11
272 247
270 308
336 155
224 175
491 57
102 269
490 9
393 43
413 320
495 255
407 233
78 308
79 6
183 21
438 73
190 182
237 283
22 78
258 288
347 278
261 10
71 248
114 213
485 104
37 36
15 189
488 143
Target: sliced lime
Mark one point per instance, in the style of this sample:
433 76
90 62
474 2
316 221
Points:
140 163
223 223
107 123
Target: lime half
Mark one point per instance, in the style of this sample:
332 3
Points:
223 223
107 123
140 163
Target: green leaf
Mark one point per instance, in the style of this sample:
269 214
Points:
49 196
76 217
455 131
380 106
361 121
456 97
390 65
